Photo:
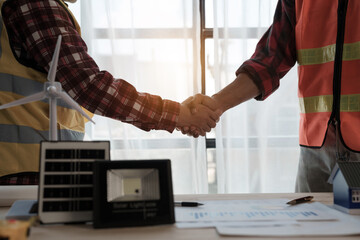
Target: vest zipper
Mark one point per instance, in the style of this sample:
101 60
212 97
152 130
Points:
335 115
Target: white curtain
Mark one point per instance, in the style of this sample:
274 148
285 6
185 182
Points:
154 45
257 142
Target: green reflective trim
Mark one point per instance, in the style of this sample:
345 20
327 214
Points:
348 103
1 27
316 55
316 104
351 51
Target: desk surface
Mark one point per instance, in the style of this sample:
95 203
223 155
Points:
162 232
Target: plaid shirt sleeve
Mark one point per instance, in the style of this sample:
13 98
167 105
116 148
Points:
98 91
275 53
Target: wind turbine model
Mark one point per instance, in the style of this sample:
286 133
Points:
52 91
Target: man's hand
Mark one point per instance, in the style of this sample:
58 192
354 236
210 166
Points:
240 90
198 115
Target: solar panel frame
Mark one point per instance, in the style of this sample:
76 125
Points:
65 170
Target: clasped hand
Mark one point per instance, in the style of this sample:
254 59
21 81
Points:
198 115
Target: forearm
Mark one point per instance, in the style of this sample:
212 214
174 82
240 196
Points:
240 90
143 110
95 90
274 56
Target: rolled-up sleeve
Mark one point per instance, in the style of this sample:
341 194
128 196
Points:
275 52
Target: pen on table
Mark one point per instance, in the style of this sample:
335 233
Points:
188 204
300 200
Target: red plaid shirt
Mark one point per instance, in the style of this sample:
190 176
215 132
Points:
33 27
275 53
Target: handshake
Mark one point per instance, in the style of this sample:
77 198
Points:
198 115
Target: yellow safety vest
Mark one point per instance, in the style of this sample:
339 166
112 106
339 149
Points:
23 127
328 52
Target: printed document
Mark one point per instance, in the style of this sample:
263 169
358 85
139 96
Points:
268 217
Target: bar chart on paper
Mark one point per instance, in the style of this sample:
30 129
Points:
251 215
251 210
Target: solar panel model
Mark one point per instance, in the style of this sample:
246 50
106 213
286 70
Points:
66 179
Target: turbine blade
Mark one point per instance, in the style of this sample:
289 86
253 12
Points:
64 96
54 61
28 99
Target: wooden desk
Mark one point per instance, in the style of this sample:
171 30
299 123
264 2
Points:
162 232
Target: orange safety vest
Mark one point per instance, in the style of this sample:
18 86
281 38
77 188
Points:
23 127
328 53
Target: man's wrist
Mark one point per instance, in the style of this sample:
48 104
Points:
222 107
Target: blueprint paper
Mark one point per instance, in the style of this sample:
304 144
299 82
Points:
252 210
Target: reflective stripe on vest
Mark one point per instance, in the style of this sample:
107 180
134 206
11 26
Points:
348 103
30 135
316 36
23 127
327 54
24 87
1 27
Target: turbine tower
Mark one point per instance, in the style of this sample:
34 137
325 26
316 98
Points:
52 91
